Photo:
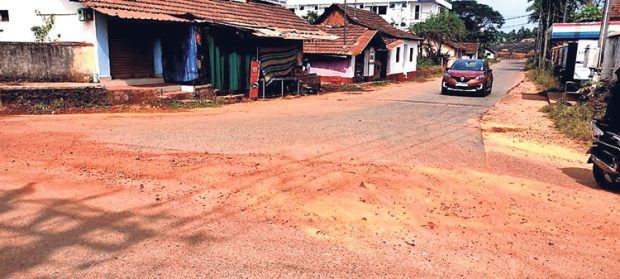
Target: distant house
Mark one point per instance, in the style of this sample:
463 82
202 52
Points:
518 50
471 50
340 62
579 52
452 51
373 49
490 53
615 10
400 14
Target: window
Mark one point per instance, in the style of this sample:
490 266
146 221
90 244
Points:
410 54
380 10
4 15
301 8
397 54
403 24
316 8
418 8
392 5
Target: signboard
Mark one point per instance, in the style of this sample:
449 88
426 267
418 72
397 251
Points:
577 31
254 76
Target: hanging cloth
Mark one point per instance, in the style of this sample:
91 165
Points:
180 54
277 61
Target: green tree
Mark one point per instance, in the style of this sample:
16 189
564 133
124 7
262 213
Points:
481 21
547 12
311 17
589 13
441 28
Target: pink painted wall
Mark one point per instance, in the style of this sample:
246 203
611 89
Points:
333 68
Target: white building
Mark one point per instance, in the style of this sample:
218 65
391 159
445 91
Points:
401 14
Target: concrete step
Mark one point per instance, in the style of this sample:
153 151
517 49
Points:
177 95
132 82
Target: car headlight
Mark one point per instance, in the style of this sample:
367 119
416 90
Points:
480 77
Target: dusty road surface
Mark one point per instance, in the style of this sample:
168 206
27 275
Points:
392 183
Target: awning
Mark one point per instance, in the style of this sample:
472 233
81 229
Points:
125 14
580 31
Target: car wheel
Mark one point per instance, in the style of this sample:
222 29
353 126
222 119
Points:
599 176
483 91
444 91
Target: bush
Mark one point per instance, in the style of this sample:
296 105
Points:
425 62
545 80
530 64
426 72
571 120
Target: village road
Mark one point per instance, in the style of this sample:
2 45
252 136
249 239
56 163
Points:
410 123
395 182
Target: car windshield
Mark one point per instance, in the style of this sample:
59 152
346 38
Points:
468 65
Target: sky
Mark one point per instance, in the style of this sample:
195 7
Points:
509 9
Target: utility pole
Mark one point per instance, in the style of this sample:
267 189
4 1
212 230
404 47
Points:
602 41
346 25
540 37
546 36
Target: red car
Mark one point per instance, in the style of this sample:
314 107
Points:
468 76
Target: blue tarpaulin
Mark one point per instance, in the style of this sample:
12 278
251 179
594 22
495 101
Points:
180 54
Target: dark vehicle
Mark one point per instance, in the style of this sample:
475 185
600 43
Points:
605 151
468 76
605 156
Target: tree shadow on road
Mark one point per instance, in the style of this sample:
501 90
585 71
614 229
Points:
35 236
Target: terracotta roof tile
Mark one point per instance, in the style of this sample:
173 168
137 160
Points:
615 10
470 48
370 20
357 40
251 13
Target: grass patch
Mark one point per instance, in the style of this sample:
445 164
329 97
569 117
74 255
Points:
175 104
350 87
380 83
544 80
428 72
571 120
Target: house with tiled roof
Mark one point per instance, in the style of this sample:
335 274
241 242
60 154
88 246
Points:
185 42
368 48
471 50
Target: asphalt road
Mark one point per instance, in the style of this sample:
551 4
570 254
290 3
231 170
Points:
408 123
